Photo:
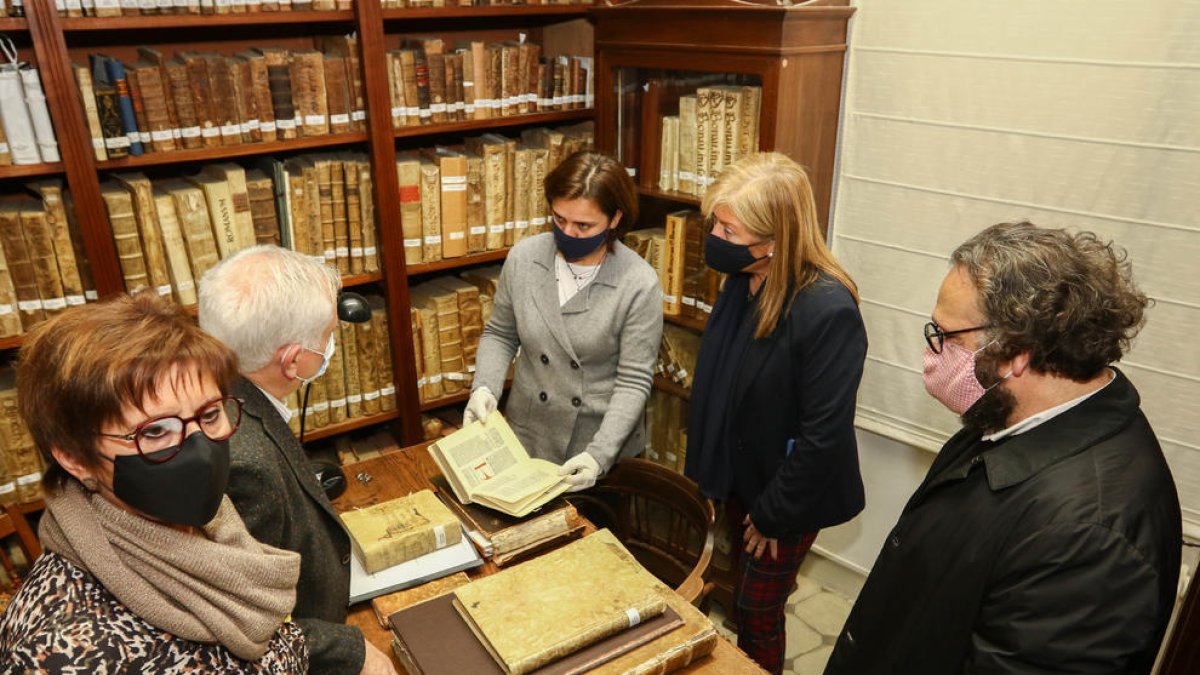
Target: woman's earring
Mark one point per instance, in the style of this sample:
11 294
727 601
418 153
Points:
91 484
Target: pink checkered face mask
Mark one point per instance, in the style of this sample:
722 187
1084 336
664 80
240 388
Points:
950 376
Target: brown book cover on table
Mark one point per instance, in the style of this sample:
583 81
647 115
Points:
408 171
180 91
191 210
430 638
178 265
387 605
261 192
142 192
119 204
616 594
87 95
279 83
399 530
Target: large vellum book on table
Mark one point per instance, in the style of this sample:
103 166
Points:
566 600
486 464
399 530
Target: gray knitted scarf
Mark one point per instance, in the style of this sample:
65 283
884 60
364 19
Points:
222 586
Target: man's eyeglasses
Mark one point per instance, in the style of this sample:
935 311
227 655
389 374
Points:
218 419
935 337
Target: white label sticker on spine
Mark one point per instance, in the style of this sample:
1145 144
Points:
439 535
358 115
634 617
8 487
477 230
75 300
455 236
432 240
267 126
164 289
412 243
29 305
190 132
341 118
5 310
54 304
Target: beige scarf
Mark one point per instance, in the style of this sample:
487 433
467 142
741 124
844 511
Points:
220 587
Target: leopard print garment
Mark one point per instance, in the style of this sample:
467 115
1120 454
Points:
63 621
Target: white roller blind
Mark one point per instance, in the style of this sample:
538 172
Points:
961 114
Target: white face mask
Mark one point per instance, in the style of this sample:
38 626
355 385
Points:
325 357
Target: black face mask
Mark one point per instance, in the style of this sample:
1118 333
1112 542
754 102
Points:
185 490
728 257
574 248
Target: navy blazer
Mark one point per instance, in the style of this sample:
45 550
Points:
797 388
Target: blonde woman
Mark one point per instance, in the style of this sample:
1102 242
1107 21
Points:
771 432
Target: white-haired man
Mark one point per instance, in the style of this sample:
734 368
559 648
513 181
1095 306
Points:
277 309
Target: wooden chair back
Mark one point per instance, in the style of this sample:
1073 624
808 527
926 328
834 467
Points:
15 528
661 517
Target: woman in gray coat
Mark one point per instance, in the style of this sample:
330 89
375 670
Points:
583 316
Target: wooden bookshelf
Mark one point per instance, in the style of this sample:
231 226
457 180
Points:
14 23
681 197
352 280
31 170
10 342
459 397
455 263
687 322
228 151
203 21
350 425
491 123
663 384
530 11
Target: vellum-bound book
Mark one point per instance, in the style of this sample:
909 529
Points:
399 530
485 463
595 589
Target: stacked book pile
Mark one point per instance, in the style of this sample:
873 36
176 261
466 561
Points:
666 430
110 8
20 462
168 233
43 268
715 127
448 316
433 84
26 134
205 99
359 379
586 607
484 195
677 355
676 252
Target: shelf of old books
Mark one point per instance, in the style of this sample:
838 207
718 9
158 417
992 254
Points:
494 123
671 195
14 23
454 263
153 22
232 151
352 424
559 11
31 170
677 129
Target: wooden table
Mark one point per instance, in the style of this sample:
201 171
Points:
396 474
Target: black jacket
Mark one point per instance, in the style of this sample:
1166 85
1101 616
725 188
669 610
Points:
797 384
1056 550
276 492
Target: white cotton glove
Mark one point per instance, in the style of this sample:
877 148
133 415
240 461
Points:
481 404
580 472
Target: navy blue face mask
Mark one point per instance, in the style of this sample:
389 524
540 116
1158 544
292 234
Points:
726 256
574 248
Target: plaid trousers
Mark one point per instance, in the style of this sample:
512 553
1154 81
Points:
761 591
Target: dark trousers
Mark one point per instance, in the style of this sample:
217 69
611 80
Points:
761 591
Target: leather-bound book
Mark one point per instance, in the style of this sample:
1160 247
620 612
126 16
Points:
510 179
325 193
348 348
279 81
510 79
243 218
219 200
223 96
421 80
408 172
264 108
751 109
616 594
383 343
156 57
524 53
550 139
469 317
180 88
191 211
346 46
117 76
175 247
476 205
10 320
20 266
468 81
479 76
309 91
427 323
301 230
244 97
338 96
387 605
153 98
441 337
139 110
368 367
436 65
261 191
51 193
39 114
119 204
201 88
399 530
116 143
521 187
145 212
431 211
395 88
81 259
452 166
40 245
539 210
335 381
495 184
317 412
366 188
418 355
533 77
341 238
354 225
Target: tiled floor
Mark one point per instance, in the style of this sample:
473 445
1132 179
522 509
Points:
814 619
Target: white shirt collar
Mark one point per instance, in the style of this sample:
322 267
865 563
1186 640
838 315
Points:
1045 415
284 411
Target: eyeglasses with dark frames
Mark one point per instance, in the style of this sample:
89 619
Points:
218 420
935 337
